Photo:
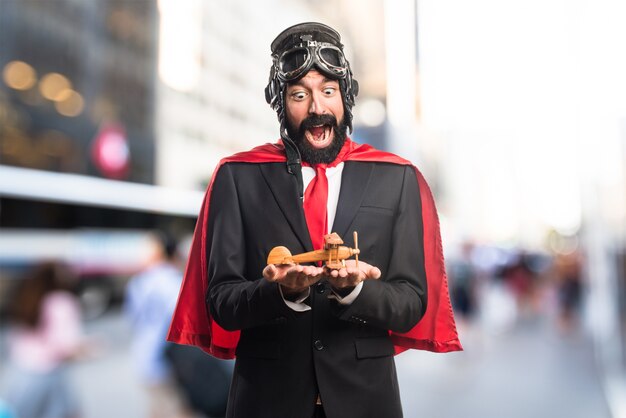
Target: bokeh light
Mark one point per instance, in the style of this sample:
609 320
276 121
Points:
19 75
370 112
54 86
70 103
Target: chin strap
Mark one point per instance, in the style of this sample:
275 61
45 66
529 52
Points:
294 161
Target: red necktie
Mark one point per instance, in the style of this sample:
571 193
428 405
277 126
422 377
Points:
315 197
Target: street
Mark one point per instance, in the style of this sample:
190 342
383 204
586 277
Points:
527 371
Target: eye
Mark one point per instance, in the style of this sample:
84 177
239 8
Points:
298 95
329 91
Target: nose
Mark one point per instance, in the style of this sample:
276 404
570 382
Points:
316 107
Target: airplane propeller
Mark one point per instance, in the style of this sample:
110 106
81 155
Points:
356 247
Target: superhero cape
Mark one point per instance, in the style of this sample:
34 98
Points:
436 331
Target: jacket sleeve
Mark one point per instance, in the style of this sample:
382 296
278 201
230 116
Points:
236 298
397 301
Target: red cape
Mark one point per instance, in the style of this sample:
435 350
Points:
436 331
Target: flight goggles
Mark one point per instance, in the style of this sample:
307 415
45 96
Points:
297 61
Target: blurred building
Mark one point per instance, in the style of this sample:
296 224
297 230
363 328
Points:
214 60
73 72
77 96
77 136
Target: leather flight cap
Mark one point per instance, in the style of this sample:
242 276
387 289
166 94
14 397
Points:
294 35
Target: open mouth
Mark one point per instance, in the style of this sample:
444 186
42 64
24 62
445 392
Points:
319 136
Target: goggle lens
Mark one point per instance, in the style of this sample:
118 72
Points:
331 56
294 60
293 63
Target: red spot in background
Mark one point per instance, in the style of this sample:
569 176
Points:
110 152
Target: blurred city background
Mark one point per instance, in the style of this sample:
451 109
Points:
114 113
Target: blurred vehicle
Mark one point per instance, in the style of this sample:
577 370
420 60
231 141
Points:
98 227
102 259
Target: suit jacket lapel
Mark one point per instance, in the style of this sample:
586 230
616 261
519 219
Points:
354 180
284 189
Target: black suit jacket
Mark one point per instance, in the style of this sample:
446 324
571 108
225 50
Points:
344 353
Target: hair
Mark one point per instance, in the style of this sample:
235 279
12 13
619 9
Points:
33 287
168 244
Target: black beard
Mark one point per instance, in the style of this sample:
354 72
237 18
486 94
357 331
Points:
313 155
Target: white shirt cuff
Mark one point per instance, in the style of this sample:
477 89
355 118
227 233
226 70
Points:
350 297
297 305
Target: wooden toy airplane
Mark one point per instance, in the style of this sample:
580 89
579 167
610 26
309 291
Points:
333 255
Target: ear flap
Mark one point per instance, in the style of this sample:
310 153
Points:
355 87
272 94
270 90
268 93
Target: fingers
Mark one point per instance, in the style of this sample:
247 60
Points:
345 277
294 277
277 273
369 272
311 271
269 272
303 277
374 273
351 275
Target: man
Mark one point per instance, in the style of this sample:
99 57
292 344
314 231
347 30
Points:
310 341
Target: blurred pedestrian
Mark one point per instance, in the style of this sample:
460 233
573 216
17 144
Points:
521 281
150 300
44 336
569 287
203 379
311 340
463 280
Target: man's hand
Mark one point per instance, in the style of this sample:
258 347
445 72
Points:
349 276
293 279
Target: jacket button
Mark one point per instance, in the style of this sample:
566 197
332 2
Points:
319 346
320 288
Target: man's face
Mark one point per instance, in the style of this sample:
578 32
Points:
314 109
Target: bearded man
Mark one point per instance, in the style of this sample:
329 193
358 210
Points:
310 341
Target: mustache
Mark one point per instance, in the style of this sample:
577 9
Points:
310 154
316 120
